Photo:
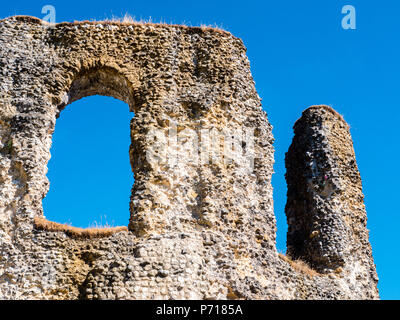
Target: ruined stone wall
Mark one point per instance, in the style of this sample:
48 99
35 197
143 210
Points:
325 210
196 230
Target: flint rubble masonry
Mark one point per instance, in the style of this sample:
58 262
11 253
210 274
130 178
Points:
196 231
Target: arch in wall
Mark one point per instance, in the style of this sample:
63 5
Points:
101 81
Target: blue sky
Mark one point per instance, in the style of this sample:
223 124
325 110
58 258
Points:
300 56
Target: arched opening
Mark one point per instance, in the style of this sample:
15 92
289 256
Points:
90 172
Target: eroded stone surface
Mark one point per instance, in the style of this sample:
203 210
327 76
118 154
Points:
196 231
325 210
